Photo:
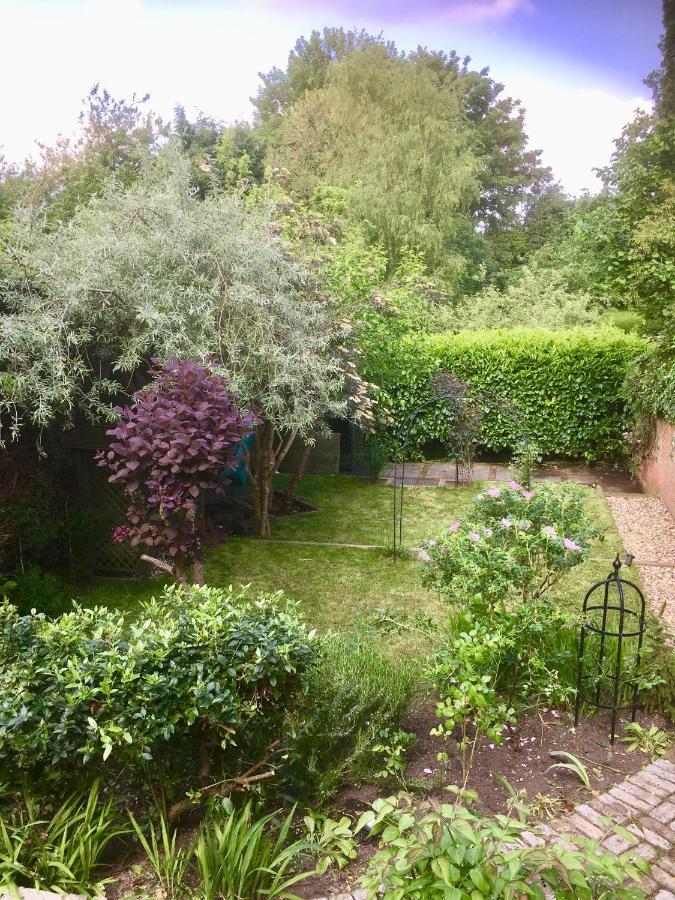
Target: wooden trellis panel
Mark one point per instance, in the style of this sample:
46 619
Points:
108 505
110 558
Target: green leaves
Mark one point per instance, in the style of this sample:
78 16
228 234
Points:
434 852
197 664
58 850
567 387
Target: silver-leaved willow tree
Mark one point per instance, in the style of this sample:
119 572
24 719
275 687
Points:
151 270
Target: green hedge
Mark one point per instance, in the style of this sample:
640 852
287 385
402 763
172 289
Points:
566 386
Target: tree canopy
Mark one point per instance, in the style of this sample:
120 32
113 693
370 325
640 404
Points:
151 270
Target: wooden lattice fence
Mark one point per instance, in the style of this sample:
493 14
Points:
107 505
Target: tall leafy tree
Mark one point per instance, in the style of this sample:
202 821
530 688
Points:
384 131
508 173
114 135
307 70
152 270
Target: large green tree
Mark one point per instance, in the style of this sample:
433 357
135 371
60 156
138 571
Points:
114 135
508 174
384 130
149 270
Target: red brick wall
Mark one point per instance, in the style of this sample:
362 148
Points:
658 470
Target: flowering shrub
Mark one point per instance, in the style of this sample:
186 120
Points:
512 546
120 533
165 452
496 567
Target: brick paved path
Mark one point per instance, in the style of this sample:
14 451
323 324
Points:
442 474
643 804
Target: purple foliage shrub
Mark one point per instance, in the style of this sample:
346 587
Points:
166 449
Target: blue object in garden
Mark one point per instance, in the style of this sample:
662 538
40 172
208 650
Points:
237 473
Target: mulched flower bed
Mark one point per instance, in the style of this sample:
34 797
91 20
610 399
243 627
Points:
523 759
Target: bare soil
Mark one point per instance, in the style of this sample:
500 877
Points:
523 759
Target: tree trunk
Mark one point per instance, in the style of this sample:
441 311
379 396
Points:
297 477
198 561
262 473
263 464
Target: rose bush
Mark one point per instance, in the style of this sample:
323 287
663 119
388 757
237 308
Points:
512 546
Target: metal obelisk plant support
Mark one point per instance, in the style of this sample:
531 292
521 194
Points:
614 613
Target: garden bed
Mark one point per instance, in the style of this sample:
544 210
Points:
523 759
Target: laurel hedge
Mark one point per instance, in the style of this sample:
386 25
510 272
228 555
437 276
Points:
565 385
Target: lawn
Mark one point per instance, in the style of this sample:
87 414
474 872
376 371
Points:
351 511
337 587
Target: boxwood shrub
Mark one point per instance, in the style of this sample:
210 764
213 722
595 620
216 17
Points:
566 386
197 672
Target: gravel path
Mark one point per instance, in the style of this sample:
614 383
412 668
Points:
648 532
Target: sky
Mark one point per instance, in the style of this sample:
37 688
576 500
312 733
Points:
577 65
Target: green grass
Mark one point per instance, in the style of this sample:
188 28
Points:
572 588
354 512
339 586
336 586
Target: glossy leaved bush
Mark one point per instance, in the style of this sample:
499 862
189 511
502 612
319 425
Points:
197 672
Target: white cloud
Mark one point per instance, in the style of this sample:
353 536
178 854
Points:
574 126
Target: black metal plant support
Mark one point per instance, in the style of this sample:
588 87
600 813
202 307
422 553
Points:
452 391
466 407
620 619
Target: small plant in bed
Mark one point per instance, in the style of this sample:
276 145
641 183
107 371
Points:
55 847
435 850
354 697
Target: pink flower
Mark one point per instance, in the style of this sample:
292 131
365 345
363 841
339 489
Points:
494 492
487 532
528 495
120 533
454 527
515 486
473 536
525 526
505 523
549 531
423 556
571 545
442 548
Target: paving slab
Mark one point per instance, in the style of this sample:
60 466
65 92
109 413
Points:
648 815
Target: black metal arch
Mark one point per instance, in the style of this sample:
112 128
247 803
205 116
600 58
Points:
455 393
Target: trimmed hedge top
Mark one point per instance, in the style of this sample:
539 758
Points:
566 385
